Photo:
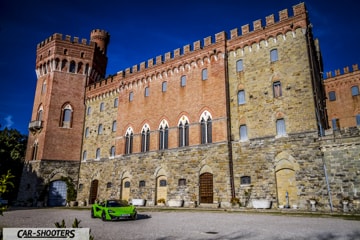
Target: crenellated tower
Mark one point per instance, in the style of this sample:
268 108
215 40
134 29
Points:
64 66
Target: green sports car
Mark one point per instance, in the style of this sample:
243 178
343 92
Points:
113 210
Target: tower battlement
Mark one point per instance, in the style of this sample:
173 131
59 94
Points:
346 70
67 38
211 41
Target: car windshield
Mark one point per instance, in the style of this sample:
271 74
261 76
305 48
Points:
116 203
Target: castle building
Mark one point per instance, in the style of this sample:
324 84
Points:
231 118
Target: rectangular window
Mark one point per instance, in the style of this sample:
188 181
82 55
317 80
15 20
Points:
274 55
116 102
147 92
277 89
102 107
204 74
164 86
182 182
183 81
241 97
142 183
280 127
131 96
332 96
239 66
358 120
243 133
354 90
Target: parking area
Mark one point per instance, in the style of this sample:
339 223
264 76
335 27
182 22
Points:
175 224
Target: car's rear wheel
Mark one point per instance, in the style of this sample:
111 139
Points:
92 213
134 217
103 216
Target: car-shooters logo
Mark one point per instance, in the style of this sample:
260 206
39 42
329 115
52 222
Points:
46 233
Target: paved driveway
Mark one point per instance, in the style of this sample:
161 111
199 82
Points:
166 225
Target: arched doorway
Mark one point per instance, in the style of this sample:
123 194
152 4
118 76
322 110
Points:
161 188
286 184
93 191
206 188
57 193
125 189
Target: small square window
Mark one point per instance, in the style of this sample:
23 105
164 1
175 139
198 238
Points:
182 182
332 96
162 183
142 183
245 180
109 185
127 184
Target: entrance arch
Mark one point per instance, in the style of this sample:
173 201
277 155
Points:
57 193
93 191
286 184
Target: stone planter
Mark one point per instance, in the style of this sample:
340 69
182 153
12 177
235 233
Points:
313 205
138 202
175 203
345 204
261 203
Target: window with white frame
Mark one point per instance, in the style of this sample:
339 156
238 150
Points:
183 131
163 135
145 138
206 128
129 136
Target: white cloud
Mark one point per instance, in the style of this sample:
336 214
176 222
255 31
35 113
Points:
8 121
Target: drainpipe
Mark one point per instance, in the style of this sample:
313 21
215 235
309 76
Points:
227 89
327 180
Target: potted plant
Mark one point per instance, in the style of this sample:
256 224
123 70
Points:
345 202
71 193
235 202
161 202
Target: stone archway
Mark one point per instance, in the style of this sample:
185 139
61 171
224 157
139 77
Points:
286 184
161 185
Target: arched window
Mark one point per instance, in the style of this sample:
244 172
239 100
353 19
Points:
88 111
206 128
129 141
116 102
145 138
100 129
64 65
277 89
66 116
239 66
164 86
112 151
147 92
39 116
43 89
102 106
204 74
243 133
80 68
163 135
97 156
183 132
86 132
114 126
72 67
241 97
84 155
183 81
131 96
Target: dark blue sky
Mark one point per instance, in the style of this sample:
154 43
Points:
144 29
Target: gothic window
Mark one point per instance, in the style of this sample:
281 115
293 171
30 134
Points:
147 91
163 135
164 86
241 97
204 74
239 66
183 81
116 102
66 116
145 138
280 127
206 128
354 90
129 141
97 156
332 96
277 89
274 55
112 151
243 133
114 126
183 132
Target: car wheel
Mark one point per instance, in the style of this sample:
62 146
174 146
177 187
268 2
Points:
134 217
103 216
92 213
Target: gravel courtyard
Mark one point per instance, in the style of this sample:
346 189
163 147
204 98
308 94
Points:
170 224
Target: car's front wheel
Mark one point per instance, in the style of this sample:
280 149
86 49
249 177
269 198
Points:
92 213
134 217
103 216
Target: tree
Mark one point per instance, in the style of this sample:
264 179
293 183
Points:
4 184
12 155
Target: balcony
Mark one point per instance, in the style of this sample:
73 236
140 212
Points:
35 126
